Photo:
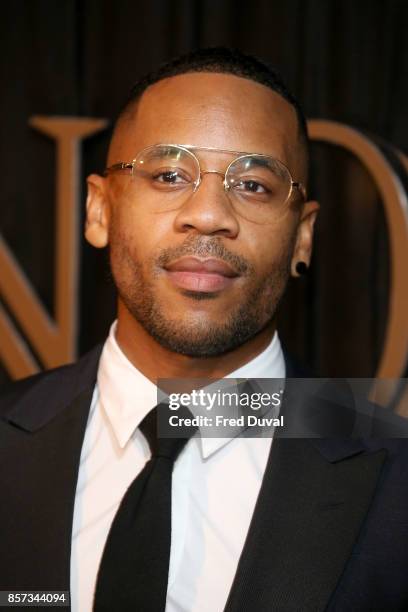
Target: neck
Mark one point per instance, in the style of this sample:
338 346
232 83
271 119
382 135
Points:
155 361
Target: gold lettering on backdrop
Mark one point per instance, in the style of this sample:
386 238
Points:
394 198
53 340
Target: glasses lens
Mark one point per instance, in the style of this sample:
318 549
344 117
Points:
259 184
167 170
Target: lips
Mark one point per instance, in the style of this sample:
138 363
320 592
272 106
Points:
206 266
206 275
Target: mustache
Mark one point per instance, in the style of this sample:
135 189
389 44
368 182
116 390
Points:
199 246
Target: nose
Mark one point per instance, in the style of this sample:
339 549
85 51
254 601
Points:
208 210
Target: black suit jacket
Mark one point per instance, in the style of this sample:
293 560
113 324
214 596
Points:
329 530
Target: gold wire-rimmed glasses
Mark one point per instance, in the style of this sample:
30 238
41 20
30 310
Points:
259 186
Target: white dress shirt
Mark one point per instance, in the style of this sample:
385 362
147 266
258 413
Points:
215 485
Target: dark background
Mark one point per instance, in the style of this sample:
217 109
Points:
345 60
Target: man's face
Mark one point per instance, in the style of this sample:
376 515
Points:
198 277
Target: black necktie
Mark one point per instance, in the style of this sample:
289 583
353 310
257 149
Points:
133 572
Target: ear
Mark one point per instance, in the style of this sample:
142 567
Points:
304 237
97 212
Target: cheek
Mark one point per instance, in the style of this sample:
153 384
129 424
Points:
272 249
124 242
134 237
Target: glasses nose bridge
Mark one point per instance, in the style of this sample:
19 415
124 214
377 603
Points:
219 172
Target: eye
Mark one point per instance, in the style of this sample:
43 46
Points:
170 177
251 186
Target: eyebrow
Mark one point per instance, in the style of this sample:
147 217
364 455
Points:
196 148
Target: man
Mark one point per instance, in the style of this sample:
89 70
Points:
204 209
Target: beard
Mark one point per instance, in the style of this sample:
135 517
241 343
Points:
192 336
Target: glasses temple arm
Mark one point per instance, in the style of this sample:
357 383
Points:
116 167
301 188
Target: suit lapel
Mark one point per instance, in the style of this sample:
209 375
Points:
313 500
42 444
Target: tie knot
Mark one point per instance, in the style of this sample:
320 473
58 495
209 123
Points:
162 447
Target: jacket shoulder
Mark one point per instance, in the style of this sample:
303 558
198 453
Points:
13 391
53 381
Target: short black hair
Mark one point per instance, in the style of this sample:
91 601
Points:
225 61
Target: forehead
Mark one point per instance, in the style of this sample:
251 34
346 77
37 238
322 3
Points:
209 110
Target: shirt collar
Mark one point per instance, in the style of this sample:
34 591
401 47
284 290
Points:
127 396
268 364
